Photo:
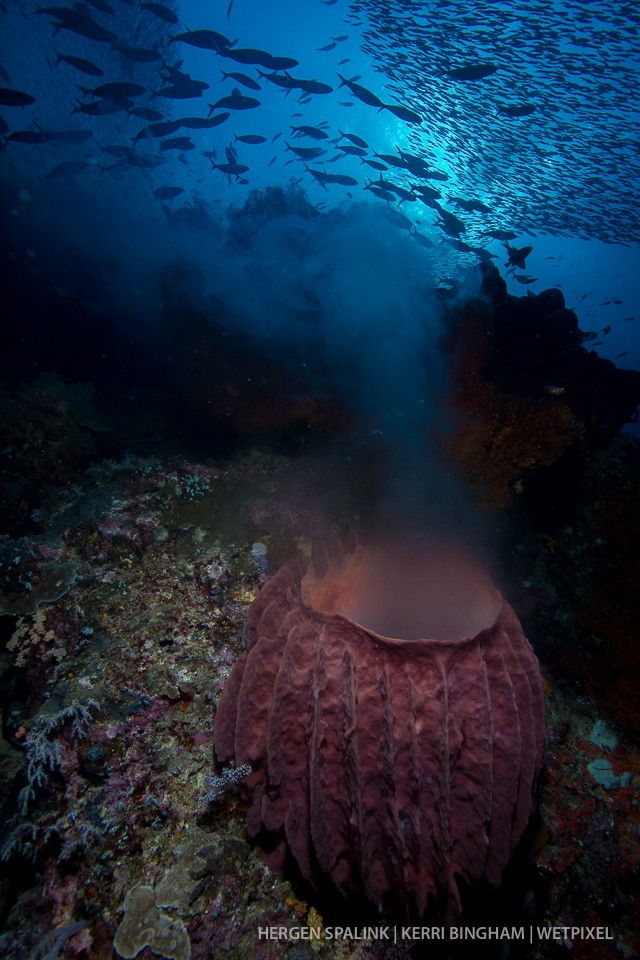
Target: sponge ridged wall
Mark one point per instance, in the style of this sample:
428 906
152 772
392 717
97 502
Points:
388 766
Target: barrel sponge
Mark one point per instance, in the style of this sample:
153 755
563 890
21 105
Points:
392 712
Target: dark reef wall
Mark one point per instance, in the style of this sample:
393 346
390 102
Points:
528 395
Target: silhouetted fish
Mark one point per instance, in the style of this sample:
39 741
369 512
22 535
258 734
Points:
517 258
362 94
243 79
159 10
15 98
237 101
138 54
32 137
232 169
278 80
501 234
471 206
404 113
78 21
306 131
103 7
115 91
178 143
517 110
71 168
70 136
251 55
203 123
146 113
358 141
184 90
324 178
204 39
310 86
306 153
473 71
102 108
79 63
164 128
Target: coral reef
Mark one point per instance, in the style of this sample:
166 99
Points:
525 392
391 709
168 553
31 574
44 441
261 206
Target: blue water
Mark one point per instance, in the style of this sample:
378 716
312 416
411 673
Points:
564 178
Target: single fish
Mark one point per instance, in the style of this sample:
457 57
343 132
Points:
380 192
324 178
278 80
82 24
70 136
115 91
31 137
473 71
146 113
79 63
184 90
71 168
403 113
102 108
203 123
397 219
103 7
471 206
138 54
503 235
15 98
242 79
310 86
352 151
314 132
159 10
517 110
252 56
422 240
306 153
517 258
164 128
360 92
358 141
237 101
232 169
178 143
375 164
451 224
204 40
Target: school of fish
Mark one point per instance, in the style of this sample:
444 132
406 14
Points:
527 109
